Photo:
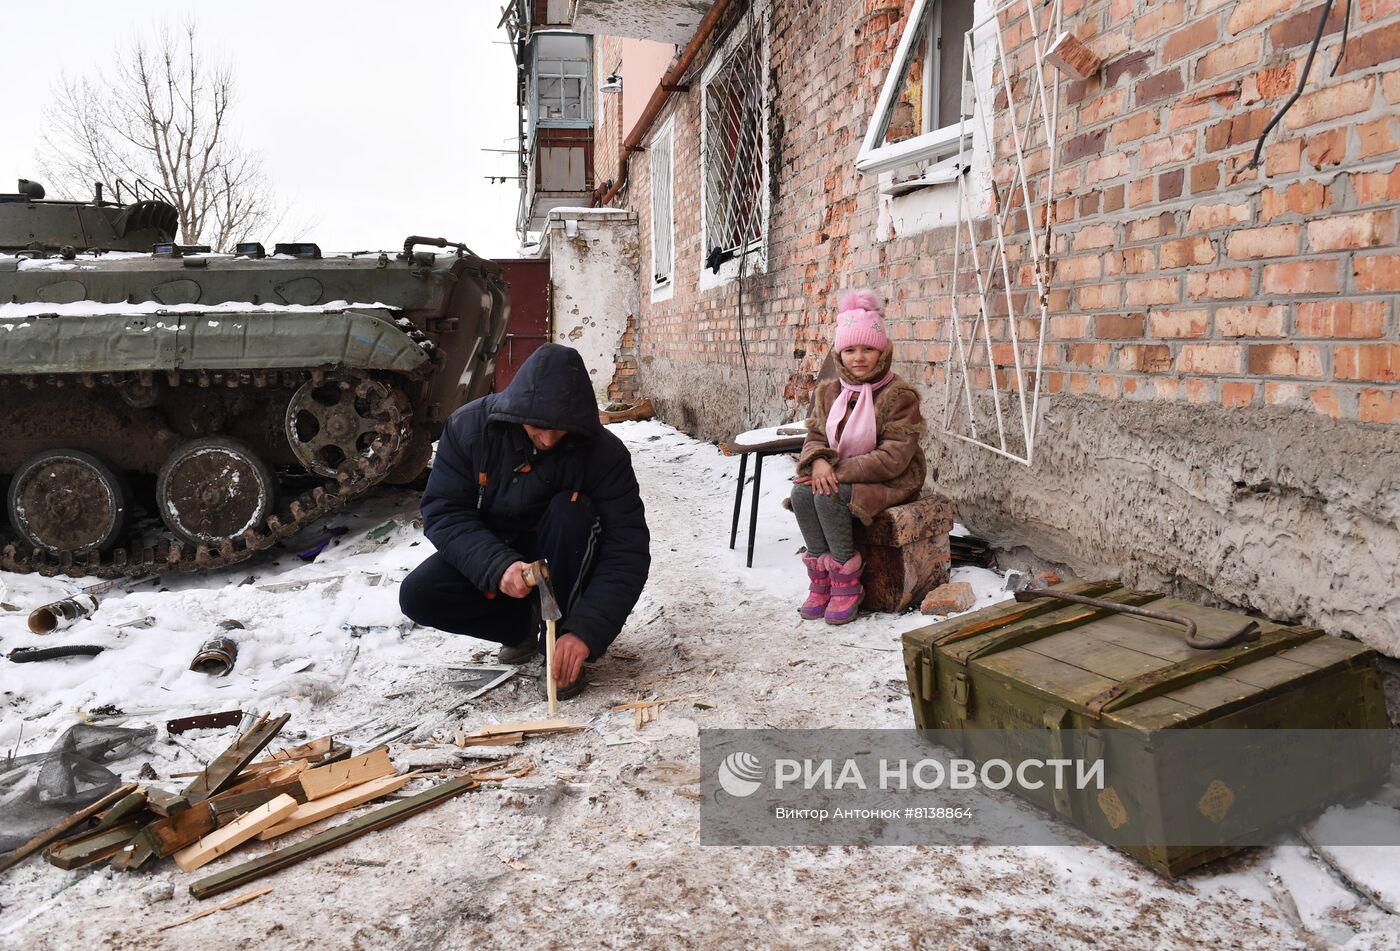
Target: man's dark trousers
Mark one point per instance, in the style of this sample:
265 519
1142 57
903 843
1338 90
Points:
436 595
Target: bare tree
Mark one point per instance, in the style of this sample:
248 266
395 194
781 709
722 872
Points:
161 118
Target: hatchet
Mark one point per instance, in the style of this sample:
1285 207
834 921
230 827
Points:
536 575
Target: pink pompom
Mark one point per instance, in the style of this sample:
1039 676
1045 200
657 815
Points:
862 298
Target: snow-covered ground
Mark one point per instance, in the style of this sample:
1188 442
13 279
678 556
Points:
595 847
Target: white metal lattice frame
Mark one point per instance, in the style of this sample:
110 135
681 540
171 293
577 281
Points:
734 105
663 218
987 72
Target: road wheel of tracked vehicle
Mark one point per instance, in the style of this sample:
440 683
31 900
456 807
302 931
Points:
345 424
214 489
68 500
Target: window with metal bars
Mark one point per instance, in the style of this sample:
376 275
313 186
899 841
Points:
662 209
734 149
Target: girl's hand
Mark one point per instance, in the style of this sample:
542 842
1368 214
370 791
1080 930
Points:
824 478
802 480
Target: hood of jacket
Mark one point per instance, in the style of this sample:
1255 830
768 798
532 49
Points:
551 390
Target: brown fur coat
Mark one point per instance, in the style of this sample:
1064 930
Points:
892 472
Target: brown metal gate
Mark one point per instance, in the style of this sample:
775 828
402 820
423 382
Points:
530 323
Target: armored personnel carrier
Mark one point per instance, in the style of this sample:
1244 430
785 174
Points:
261 390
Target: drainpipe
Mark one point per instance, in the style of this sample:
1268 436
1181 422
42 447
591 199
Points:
670 82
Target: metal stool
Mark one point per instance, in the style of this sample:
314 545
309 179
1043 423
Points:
759 443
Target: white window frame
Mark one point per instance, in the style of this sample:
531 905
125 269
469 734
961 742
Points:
662 288
585 80
875 158
755 256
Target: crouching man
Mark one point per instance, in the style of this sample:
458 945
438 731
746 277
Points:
525 474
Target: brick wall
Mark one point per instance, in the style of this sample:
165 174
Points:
1260 300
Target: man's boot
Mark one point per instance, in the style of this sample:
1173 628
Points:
521 653
819 592
846 589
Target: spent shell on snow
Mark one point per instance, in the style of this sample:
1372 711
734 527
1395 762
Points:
216 656
59 614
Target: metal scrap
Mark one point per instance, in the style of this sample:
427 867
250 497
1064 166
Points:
57 615
204 721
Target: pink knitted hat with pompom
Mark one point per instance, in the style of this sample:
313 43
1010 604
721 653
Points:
859 321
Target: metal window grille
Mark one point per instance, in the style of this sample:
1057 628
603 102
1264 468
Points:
734 146
1001 252
662 211
562 70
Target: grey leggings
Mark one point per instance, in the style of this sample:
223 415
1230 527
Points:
825 521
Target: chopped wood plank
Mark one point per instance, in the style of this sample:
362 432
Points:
324 780
229 806
221 773
379 819
21 852
498 739
335 803
235 833
92 847
529 726
279 775
308 750
125 808
167 836
222 906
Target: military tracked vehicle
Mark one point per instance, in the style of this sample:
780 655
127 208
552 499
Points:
260 390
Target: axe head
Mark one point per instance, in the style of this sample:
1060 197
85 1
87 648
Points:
537 577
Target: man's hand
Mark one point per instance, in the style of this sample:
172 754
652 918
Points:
569 654
824 478
513 581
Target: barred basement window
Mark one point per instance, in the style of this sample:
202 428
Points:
734 151
662 209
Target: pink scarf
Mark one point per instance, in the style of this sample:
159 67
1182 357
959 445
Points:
859 435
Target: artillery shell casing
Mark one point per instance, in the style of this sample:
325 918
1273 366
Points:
216 656
60 614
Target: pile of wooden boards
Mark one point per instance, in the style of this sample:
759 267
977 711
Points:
235 799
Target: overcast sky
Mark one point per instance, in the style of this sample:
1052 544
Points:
371 117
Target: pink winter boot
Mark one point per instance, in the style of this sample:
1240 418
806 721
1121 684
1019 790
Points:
846 589
820 591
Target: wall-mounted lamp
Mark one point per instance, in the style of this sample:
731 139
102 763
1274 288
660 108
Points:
612 84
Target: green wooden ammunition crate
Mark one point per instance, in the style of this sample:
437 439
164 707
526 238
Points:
1068 674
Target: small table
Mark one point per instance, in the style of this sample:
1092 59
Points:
759 443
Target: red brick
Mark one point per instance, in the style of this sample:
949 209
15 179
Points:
1135 127
1140 193
1070 326
1342 318
1376 188
1274 82
951 598
1169 184
1097 296
1206 217
1204 177
1378 272
1232 282
1159 86
1087 267
1324 400
1118 326
1230 58
1094 236
1209 358
1088 354
1271 242
1371 48
1377 9
1301 28
1257 321
1237 394
1155 21
1104 107
1188 251
1109 166
1340 232
1343 99
1302 198
1187 112
1367 361
1153 290
1146 229
1139 260
1327 148
1248 13
1379 406
1176 148
1282 359
1152 358
1303 277
1281 394
1190 38
1377 138
1283 158
1178 323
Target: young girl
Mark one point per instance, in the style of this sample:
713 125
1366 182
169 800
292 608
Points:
862 455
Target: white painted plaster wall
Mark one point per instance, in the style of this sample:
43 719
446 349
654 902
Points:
593 263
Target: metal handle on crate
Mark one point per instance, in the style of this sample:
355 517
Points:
1249 632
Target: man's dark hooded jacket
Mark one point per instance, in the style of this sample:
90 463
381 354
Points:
474 525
